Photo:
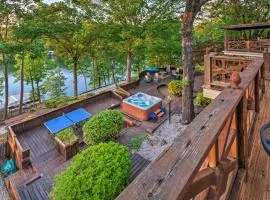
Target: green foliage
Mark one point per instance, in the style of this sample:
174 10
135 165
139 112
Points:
137 142
54 83
175 88
100 172
202 100
103 126
199 68
61 101
67 136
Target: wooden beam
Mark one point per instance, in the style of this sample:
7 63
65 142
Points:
207 70
213 155
257 93
203 180
242 134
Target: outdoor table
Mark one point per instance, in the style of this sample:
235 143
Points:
152 69
265 141
66 120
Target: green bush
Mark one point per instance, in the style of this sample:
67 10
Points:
100 172
175 88
137 142
202 100
199 68
103 126
63 101
67 136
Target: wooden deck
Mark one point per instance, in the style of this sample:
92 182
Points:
257 186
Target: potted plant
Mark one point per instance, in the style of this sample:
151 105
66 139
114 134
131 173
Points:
67 143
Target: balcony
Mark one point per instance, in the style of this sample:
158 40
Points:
219 155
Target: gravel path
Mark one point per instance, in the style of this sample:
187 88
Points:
162 138
3 190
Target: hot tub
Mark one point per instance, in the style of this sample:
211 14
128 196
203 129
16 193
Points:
140 105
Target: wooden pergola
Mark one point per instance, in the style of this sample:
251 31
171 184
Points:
247 37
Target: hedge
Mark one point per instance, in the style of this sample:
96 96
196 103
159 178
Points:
103 126
175 88
100 172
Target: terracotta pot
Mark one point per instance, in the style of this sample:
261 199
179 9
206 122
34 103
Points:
235 80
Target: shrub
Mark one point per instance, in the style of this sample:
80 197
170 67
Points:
137 142
63 101
199 68
67 136
202 100
175 88
100 172
103 126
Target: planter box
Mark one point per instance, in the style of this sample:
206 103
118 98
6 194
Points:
67 151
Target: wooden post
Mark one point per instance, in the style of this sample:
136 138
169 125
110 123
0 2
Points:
262 79
257 93
225 40
266 57
207 71
213 156
242 135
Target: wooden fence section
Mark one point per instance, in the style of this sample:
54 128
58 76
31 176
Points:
20 155
203 161
257 46
218 69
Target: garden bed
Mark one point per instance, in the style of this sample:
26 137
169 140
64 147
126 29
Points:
67 144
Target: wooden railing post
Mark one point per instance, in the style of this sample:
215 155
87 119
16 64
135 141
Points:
266 57
213 156
207 70
257 93
242 135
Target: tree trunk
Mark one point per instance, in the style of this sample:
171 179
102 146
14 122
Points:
113 73
75 77
188 72
38 92
129 63
33 91
6 87
21 84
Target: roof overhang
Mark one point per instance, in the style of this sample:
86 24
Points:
240 27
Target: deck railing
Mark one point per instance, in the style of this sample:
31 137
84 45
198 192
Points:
218 69
203 161
20 155
256 46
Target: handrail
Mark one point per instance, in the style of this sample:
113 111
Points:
256 45
194 161
218 68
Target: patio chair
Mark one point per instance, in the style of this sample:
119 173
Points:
148 78
176 73
156 77
168 69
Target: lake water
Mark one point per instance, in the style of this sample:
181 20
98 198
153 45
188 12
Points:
14 87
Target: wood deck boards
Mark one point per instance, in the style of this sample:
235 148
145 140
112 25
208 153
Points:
38 141
258 185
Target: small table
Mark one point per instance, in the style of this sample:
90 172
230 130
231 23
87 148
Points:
152 69
66 120
265 141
